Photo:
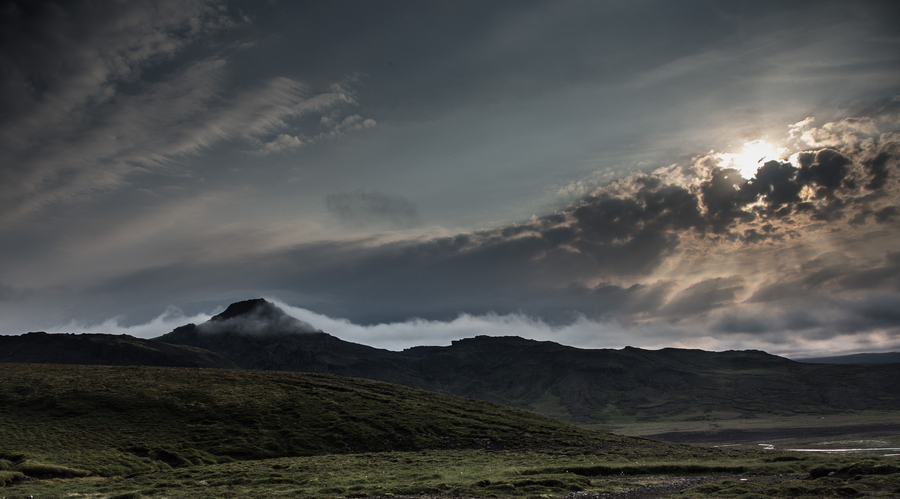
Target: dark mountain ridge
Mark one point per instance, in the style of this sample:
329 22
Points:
104 349
857 358
577 385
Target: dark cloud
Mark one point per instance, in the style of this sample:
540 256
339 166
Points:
724 199
635 299
878 169
752 325
598 258
628 229
880 311
827 317
801 320
887 213
883 276
831 272
774 181
362 208
825 169
704 296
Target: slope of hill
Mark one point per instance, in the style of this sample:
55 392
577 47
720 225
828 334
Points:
208 433
572 384
116 420
104 349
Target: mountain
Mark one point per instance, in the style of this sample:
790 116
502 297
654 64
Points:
256 334
106 349
858 358
572 384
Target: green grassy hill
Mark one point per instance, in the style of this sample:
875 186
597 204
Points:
115 420
114 432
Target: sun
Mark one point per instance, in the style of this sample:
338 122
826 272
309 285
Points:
754 154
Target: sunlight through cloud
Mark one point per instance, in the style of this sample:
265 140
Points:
754 154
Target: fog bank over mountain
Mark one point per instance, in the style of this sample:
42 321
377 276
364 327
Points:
254 318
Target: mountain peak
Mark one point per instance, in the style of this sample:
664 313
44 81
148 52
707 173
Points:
256 306
255 317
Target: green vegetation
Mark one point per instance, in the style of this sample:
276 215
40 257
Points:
117 420
865 479
464 473
101 431
10 477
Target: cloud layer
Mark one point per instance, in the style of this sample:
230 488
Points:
371 207
94 96
602 173
798 259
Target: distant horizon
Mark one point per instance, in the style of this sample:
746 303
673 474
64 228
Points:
799 357
839 355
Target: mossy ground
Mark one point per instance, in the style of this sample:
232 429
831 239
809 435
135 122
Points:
463 473
824 487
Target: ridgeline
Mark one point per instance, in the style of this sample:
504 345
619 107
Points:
104 349
576 385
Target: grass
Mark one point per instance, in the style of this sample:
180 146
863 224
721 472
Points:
10 477
870 482
100 431
119 420
464 473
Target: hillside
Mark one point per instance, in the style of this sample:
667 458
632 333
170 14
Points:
572 384
129 432
104 349
857 358
116 420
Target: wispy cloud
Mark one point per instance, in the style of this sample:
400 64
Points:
333 129
95 126
362 207
61 61
162 324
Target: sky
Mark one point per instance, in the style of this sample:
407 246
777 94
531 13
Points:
716 175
